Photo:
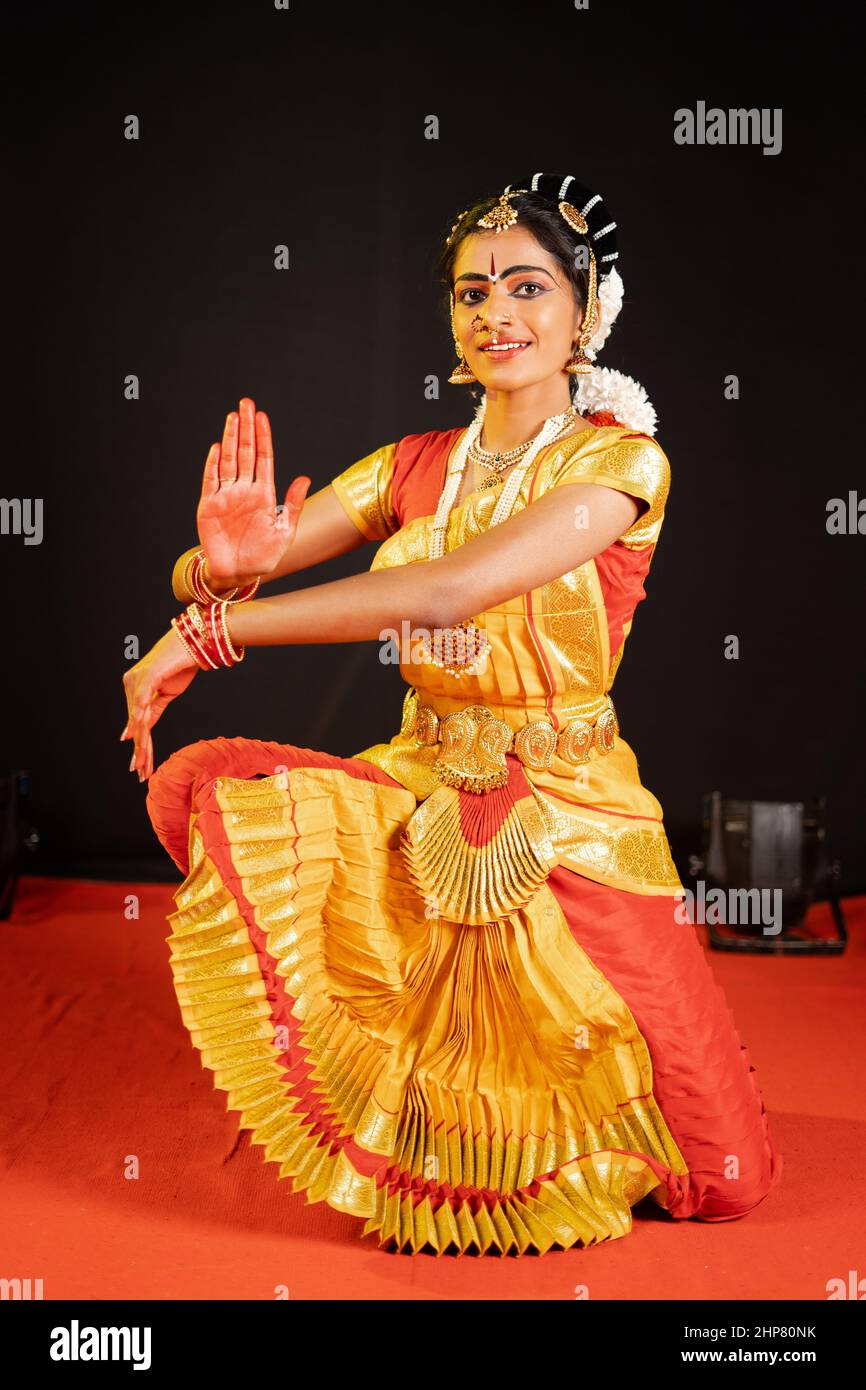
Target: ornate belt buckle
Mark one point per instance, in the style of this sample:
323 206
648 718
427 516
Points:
410 713
426 727
535 744
575 742
606 729
474 744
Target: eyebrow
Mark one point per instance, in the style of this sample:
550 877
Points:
474 275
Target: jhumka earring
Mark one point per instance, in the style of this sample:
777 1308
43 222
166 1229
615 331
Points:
462 374
579 364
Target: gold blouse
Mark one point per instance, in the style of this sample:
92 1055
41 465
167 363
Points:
550 654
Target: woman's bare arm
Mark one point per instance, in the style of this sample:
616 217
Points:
538 545
530 549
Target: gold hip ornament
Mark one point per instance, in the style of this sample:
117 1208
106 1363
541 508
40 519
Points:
474 742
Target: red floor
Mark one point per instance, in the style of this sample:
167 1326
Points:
97 1066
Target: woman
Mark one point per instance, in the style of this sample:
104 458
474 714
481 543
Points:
445 982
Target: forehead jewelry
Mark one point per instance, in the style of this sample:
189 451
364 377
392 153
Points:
503 215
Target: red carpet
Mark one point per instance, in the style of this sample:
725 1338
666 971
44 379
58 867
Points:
97 1067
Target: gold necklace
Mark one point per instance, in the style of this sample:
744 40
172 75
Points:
497 458
498 463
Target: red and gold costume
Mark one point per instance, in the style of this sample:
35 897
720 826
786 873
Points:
470 1018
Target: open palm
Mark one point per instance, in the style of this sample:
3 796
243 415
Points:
241 530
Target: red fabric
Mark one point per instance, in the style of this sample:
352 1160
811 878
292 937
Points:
482 816
703 1079
419 473
621 572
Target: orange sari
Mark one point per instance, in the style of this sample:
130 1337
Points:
470 1019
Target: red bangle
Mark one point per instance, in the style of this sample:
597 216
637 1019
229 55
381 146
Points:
204 632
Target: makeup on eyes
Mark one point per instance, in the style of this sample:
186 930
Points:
542 289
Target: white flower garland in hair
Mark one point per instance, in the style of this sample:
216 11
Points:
607 389
610 296
604 388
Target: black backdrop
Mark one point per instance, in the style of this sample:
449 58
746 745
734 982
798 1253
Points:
307 127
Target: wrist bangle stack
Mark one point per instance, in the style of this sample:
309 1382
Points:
204 633
194 579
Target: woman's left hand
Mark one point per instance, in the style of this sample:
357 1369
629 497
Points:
151 684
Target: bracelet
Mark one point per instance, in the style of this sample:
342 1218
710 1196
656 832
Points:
204 633
193 575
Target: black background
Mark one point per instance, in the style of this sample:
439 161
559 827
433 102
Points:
306 127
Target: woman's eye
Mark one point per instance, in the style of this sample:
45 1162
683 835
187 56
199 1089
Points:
465 295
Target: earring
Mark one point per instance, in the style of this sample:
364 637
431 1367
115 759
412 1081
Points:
462 374
579 364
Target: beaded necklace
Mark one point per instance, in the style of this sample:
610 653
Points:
552 426
498 463
462 650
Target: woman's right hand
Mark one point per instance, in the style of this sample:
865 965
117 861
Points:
242 533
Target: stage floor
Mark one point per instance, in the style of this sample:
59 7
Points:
96 1067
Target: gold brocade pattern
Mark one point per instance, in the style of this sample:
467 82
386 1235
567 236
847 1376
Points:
549 661
461 1089
572 619
364 491
636 466
609 853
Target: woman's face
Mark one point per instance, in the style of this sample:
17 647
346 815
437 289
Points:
508 282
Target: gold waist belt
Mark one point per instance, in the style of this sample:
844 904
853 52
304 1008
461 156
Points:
474 743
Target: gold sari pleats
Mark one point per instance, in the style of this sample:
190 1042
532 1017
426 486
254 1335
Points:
459 1088
471 882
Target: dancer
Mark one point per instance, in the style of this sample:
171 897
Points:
445 982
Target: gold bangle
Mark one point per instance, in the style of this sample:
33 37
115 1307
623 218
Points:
185 579
207 592
237 652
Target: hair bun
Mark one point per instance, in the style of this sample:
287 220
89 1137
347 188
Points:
602 228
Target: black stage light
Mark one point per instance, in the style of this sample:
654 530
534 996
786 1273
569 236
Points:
762 866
